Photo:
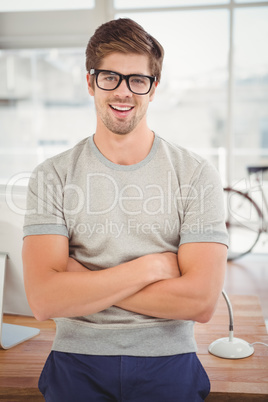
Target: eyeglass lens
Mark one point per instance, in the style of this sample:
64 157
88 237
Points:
109 81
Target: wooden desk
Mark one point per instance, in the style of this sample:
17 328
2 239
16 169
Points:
231 380
243 380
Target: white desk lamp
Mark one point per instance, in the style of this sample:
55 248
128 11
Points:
230 348
11 335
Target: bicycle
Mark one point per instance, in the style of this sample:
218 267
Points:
245 219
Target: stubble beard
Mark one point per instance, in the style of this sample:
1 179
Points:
120 127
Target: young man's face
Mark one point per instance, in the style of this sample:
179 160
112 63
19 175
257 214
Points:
120 110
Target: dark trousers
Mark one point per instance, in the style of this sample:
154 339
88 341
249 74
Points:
69 377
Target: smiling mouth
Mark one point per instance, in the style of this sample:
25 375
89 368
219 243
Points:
122 108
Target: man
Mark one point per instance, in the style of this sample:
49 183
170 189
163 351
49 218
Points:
125 242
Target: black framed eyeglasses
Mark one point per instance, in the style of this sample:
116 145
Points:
109 80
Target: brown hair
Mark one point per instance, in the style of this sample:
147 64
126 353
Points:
125 36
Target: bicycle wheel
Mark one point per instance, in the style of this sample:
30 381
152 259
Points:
243 221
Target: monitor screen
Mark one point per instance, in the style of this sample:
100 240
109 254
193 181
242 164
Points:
12 209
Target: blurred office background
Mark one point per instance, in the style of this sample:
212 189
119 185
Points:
213 97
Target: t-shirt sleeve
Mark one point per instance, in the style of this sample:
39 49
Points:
203 212
45 210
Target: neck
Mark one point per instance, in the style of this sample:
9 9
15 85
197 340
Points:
127 149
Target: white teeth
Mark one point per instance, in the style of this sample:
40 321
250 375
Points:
122 108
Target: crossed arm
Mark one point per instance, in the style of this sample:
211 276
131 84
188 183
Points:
165 285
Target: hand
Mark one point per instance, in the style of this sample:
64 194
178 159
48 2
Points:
170 266
161 266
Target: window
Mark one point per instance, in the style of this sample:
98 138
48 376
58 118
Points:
250 1
213 97
31 5
196 88
134 4
250 111
44 106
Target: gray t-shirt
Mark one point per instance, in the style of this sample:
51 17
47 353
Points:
115 213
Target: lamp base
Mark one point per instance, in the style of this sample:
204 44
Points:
234 348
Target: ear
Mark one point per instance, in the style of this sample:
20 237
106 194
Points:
152 93
89 84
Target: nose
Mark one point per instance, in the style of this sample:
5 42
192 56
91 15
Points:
123 90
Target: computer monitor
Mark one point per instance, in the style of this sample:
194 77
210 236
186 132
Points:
12 294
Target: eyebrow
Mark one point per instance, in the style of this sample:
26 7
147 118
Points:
117 72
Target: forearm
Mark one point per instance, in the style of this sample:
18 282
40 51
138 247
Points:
170 298
58 286
174 299
68 294
192 296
